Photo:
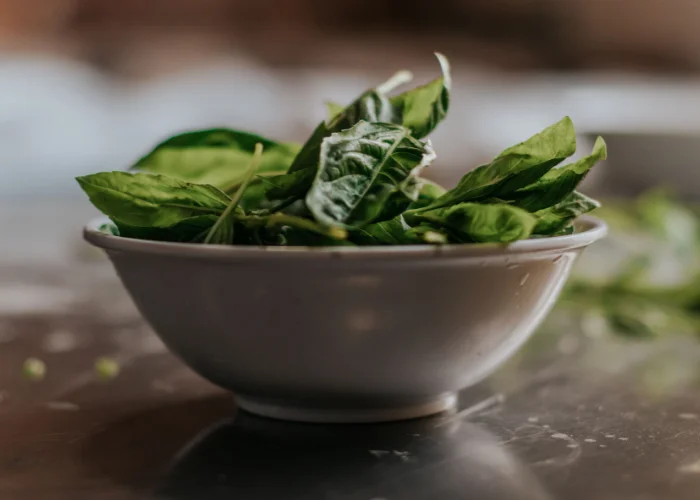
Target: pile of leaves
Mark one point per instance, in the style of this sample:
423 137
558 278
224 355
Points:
644 279
358 180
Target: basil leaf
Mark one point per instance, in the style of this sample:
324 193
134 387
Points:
190 230
555 219
282 190
420 110
429 192
390 232
398 203
147 200
361 168
476 222
558 183
516 167
296 230
370 106
423 108
218 157
333 109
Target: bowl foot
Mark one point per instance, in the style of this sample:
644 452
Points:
346 415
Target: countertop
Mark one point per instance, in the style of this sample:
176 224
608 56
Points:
570 417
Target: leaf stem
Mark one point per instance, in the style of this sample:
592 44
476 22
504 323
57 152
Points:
257 155
281 219
400 78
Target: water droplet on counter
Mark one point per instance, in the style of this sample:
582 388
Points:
512 266
62 406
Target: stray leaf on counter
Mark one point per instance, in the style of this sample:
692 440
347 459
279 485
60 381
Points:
670 220
34 369
106 368
652 238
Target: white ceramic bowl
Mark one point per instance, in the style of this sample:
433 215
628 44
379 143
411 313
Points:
345 334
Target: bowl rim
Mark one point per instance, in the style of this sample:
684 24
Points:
589 230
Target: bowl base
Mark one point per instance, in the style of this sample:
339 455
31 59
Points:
347 415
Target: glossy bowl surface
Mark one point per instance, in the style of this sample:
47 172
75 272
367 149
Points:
345 334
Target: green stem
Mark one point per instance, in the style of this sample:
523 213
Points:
257 155
280 219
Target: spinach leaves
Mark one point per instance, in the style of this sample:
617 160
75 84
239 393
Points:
357 180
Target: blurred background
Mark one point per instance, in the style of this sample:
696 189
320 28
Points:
89 85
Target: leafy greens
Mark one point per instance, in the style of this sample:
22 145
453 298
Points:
357 180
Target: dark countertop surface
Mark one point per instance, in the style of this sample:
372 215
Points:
569 417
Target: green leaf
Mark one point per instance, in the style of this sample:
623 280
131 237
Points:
420 110
516 167
333 109
554 219
222 233
294 230
282 190
190 230
482 223
639 317
558 183
147 200
218 157
429 192
423 108
361 168
390 232
670 220
371 106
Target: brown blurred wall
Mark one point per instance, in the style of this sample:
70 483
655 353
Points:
661 35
